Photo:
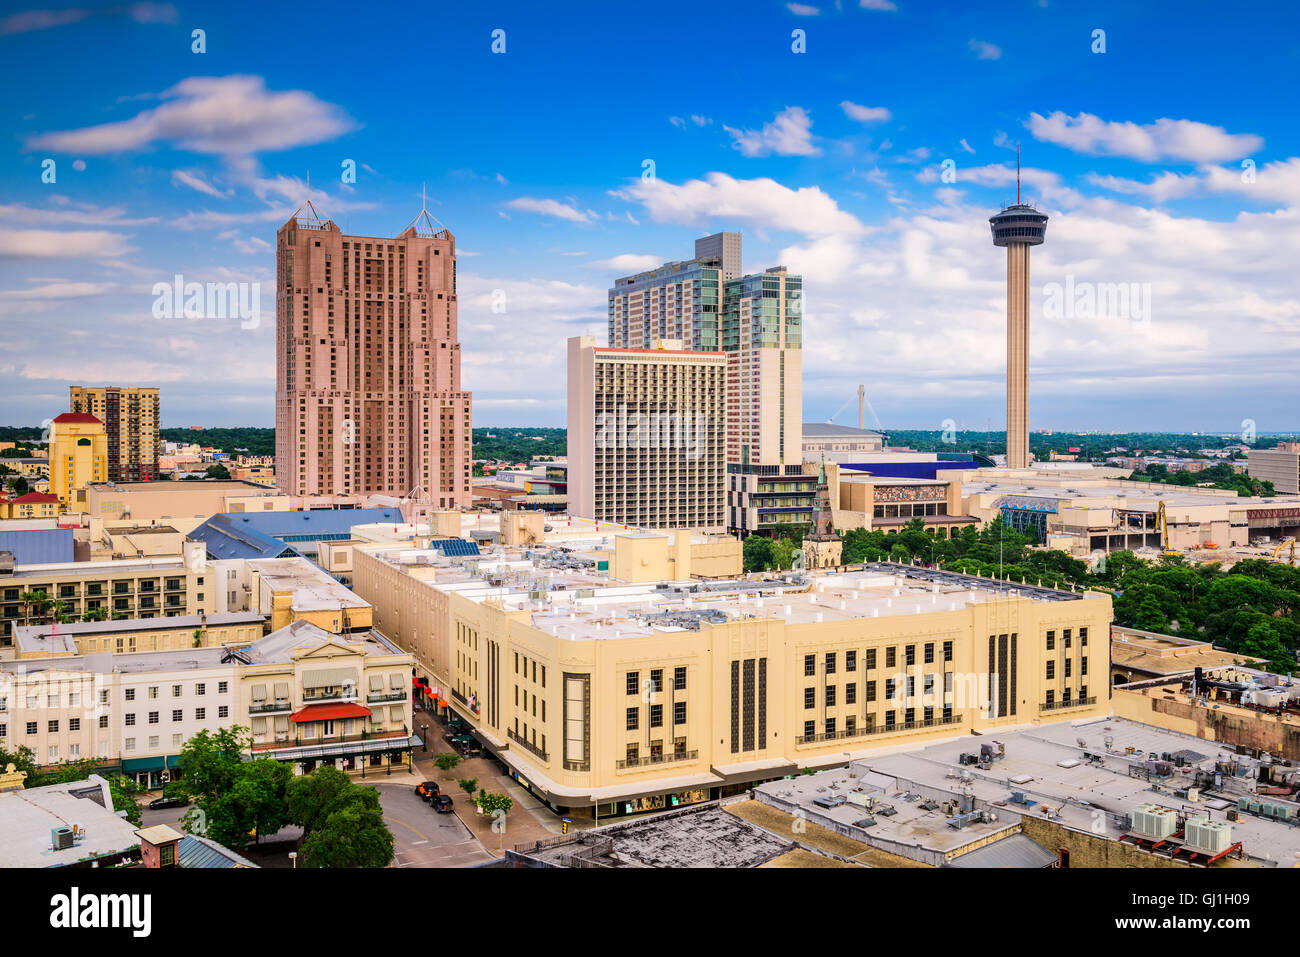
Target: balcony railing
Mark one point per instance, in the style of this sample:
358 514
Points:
337 694
300 742
873 729
650 760
527 745
381 697
270 707
1071 703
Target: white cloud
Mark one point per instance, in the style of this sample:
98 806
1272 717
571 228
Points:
31 20
877 5
789 134
966 146
802 9
1164 139
985 50
194 180
230 115
865 114
627 263
550 207
52 244
761 203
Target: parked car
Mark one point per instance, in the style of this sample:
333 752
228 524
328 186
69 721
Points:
442 804
162 803
427 790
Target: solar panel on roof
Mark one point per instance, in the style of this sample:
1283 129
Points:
455 546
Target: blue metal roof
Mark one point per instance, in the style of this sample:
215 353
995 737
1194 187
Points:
38 546
196 852
268 534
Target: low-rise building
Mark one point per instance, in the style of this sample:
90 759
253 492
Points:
127 635
600 692
1281 466
1137 655
30 505
62 825
294 589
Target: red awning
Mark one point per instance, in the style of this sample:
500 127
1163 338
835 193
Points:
329 712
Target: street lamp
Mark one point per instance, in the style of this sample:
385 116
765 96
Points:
293 859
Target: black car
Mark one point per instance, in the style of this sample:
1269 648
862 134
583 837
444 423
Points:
162 803
442 804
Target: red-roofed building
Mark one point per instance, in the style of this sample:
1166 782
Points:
31 505
84 417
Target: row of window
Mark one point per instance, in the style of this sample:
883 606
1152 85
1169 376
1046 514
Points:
831 726
1066 638
656 715
1083 668
831 660
655 681
152 691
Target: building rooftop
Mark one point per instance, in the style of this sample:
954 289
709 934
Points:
828 429
1159 654
312 587
27 818
57 637
38 546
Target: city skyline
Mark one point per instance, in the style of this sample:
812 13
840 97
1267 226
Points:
877 192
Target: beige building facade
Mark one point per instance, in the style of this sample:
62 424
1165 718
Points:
648 432
78 456
131 421
601 693
1281 466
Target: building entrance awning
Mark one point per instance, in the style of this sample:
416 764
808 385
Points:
330 712
136 765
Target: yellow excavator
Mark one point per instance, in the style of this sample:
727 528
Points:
1285 543
1162 526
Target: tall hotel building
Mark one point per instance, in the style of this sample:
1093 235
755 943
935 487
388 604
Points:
756 321
647 435
368 393
130 417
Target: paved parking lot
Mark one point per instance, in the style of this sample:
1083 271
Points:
423 837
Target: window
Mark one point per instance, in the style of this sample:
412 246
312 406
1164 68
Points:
909 716
1051 641
928 657
851 693
633 718
633 754
871 691
200 714
911 685
870 663
103 721
1051 670
889 720
850 661
202 688
809 665
153 691
633 682
176 691
130 720
830 696
1083 637
1068 662
1065 634
223 711
891 657
31 727
909 655
656 716
128 744
130 694
1051 697
679 679
656 680
153 741
54 726
809 729
1083 667
830 662
679 712
889 689
947 651
153 717
810 697
830 727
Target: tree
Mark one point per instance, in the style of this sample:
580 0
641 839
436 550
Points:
313 797
1263 641
446 762
468 785
95 614
211 762
1150 616
493 802
352 836
757 553
254 804
36 600
218 472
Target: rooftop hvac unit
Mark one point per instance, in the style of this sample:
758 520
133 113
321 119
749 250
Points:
61 838
1154 821
1209 837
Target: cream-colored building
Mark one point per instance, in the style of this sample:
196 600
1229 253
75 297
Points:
1281 466
131 421
136 588
78 456
631 696
127 635
647 435
294 589
307 696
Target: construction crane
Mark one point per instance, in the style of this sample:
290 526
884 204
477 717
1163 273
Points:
1162 526
1290 560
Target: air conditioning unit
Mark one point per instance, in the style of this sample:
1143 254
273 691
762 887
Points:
1209 837
61 838
1153 821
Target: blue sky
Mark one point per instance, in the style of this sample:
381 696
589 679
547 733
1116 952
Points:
831 161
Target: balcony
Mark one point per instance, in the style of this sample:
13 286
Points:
653 760
329 694
270 707
871 730
526 744
1062 705
385 696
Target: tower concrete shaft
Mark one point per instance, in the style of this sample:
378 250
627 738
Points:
1017 356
